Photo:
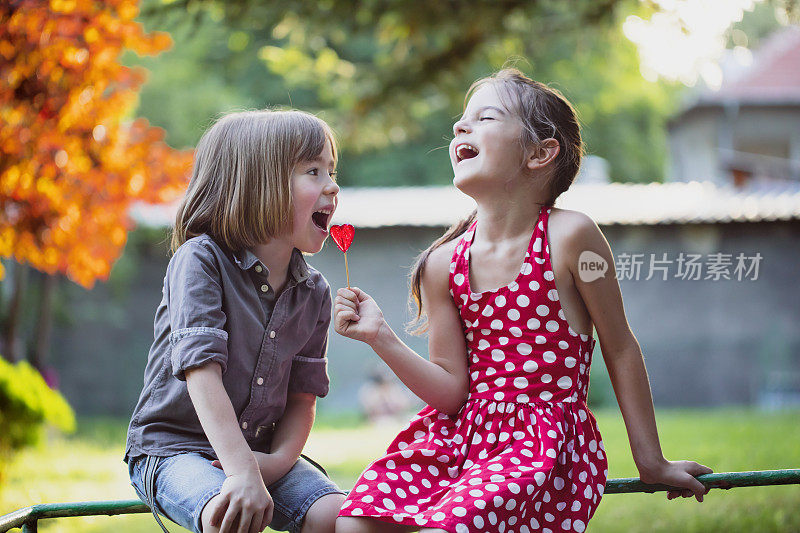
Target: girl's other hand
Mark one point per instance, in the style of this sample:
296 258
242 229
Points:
356 315
680 474
273 466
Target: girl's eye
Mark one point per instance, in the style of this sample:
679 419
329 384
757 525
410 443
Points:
486 118
313 171
333 174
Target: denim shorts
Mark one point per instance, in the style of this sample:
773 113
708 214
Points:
183 484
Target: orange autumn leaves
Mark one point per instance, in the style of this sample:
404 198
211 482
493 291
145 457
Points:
71 159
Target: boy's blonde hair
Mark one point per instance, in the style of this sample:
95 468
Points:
240 192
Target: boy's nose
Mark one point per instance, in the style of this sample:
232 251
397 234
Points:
332 188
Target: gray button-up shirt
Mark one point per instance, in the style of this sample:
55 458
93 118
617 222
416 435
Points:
217 306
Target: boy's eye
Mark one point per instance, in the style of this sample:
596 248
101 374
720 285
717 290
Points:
333 174
486 118
313 171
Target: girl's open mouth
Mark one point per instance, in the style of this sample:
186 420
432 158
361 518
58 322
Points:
465 151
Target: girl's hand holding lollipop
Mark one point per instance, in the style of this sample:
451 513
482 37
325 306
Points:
357 316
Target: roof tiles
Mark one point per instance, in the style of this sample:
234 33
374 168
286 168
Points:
610 203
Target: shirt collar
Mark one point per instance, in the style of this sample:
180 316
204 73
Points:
298 268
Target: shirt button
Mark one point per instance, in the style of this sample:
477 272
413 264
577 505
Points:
244 425
260 381
259 269
264 288
272 334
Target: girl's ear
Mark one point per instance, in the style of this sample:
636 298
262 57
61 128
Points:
540 155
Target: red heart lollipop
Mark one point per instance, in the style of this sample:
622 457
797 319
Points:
343 235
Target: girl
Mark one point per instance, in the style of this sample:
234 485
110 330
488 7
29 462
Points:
241 335
507 442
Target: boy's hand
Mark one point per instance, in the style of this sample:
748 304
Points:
357 316
244 500
679 474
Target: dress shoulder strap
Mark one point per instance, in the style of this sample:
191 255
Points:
459 266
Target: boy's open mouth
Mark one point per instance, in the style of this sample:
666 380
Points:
465 151
321 218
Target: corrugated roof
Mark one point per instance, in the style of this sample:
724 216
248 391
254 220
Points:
682 203
610 203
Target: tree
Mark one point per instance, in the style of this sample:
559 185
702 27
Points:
71 160
394 62
389 75
385 63
392 109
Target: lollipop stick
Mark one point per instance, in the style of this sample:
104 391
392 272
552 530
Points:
347 270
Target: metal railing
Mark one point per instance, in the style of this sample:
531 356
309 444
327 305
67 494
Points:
28 517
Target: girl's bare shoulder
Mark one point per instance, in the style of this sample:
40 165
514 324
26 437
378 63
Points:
570 232
569 220
570 225
437 268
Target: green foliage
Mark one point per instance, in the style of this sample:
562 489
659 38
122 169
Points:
755 26
27 404
622 115
390 77
378 64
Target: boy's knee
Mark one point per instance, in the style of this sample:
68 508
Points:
321 516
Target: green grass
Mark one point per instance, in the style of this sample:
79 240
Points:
87 466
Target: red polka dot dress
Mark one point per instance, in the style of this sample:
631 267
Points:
524 453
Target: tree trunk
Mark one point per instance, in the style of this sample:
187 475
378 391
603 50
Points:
44 322
10 344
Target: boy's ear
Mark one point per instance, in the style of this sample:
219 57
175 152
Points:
542 154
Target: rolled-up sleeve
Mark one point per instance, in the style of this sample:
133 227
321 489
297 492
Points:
310 366
197 321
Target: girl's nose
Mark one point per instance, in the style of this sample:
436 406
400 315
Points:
460 127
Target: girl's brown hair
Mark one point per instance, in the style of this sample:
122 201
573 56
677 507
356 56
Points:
545 113
240 192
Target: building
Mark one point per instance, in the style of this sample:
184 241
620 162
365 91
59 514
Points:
711 341
748 132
